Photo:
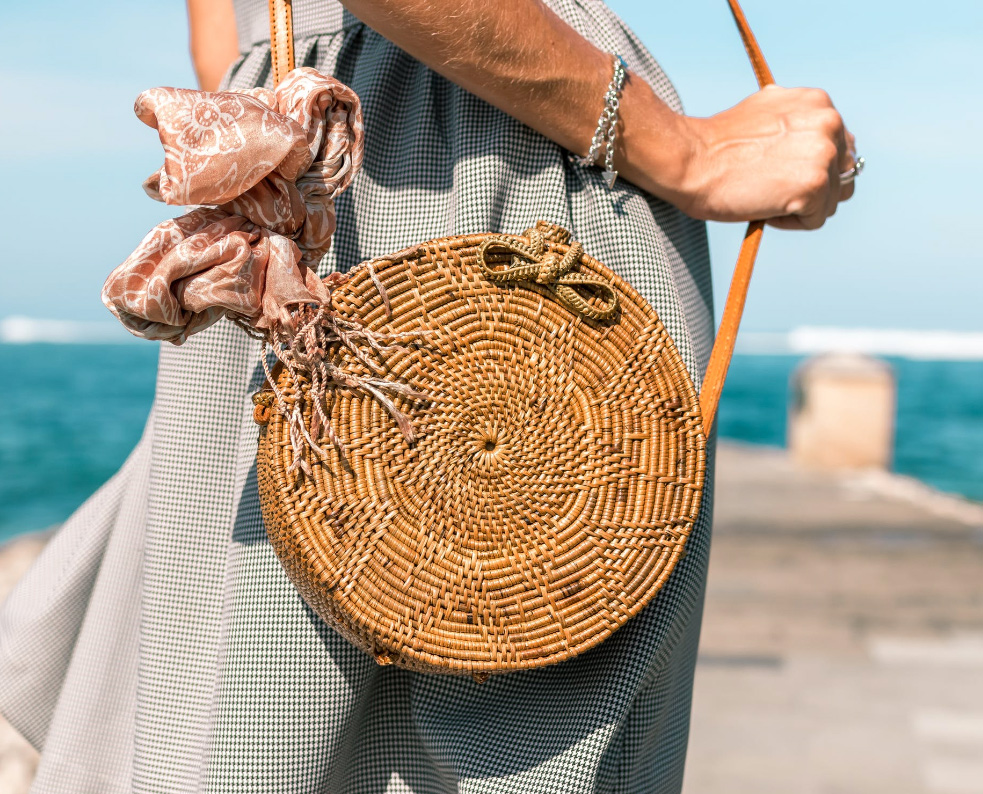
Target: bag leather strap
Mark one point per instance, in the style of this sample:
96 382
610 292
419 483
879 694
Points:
282 53
723 345
281 38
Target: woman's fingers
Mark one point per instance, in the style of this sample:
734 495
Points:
848 162
787 222
833 128
851 144
843 152
834 153
846 191
819 115
819 187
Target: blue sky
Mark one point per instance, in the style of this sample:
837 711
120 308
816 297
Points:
905 253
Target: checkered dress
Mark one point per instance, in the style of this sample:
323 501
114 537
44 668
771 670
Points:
157 645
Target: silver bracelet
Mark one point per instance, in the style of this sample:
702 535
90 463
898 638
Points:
607 125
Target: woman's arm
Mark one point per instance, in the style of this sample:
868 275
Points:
212 25
777 155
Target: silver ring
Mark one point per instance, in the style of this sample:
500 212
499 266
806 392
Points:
855 171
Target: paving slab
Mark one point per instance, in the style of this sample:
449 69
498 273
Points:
842 644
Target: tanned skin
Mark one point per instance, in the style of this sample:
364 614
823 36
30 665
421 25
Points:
214 46
775 156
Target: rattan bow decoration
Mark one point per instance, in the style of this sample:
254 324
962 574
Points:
479 454
531 261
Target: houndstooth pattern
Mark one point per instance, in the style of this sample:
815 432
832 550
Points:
157 645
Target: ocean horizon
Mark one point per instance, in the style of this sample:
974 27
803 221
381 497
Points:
78 407
907 343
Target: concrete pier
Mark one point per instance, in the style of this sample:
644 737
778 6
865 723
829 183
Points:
842 649
842 413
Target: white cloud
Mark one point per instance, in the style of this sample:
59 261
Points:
25 330
903 343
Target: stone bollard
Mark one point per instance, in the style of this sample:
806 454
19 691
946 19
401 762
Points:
842 412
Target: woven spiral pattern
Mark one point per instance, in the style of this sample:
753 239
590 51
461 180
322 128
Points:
555 475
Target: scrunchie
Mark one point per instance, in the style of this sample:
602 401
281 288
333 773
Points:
268 165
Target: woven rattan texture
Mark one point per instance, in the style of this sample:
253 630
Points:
555 475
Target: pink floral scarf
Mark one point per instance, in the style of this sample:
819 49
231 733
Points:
268 166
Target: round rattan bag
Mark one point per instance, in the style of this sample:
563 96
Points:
554 474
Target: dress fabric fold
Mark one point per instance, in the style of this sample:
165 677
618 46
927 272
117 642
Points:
157 645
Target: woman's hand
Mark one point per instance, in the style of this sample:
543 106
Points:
776 156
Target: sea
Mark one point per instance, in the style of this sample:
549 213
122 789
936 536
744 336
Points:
72 412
